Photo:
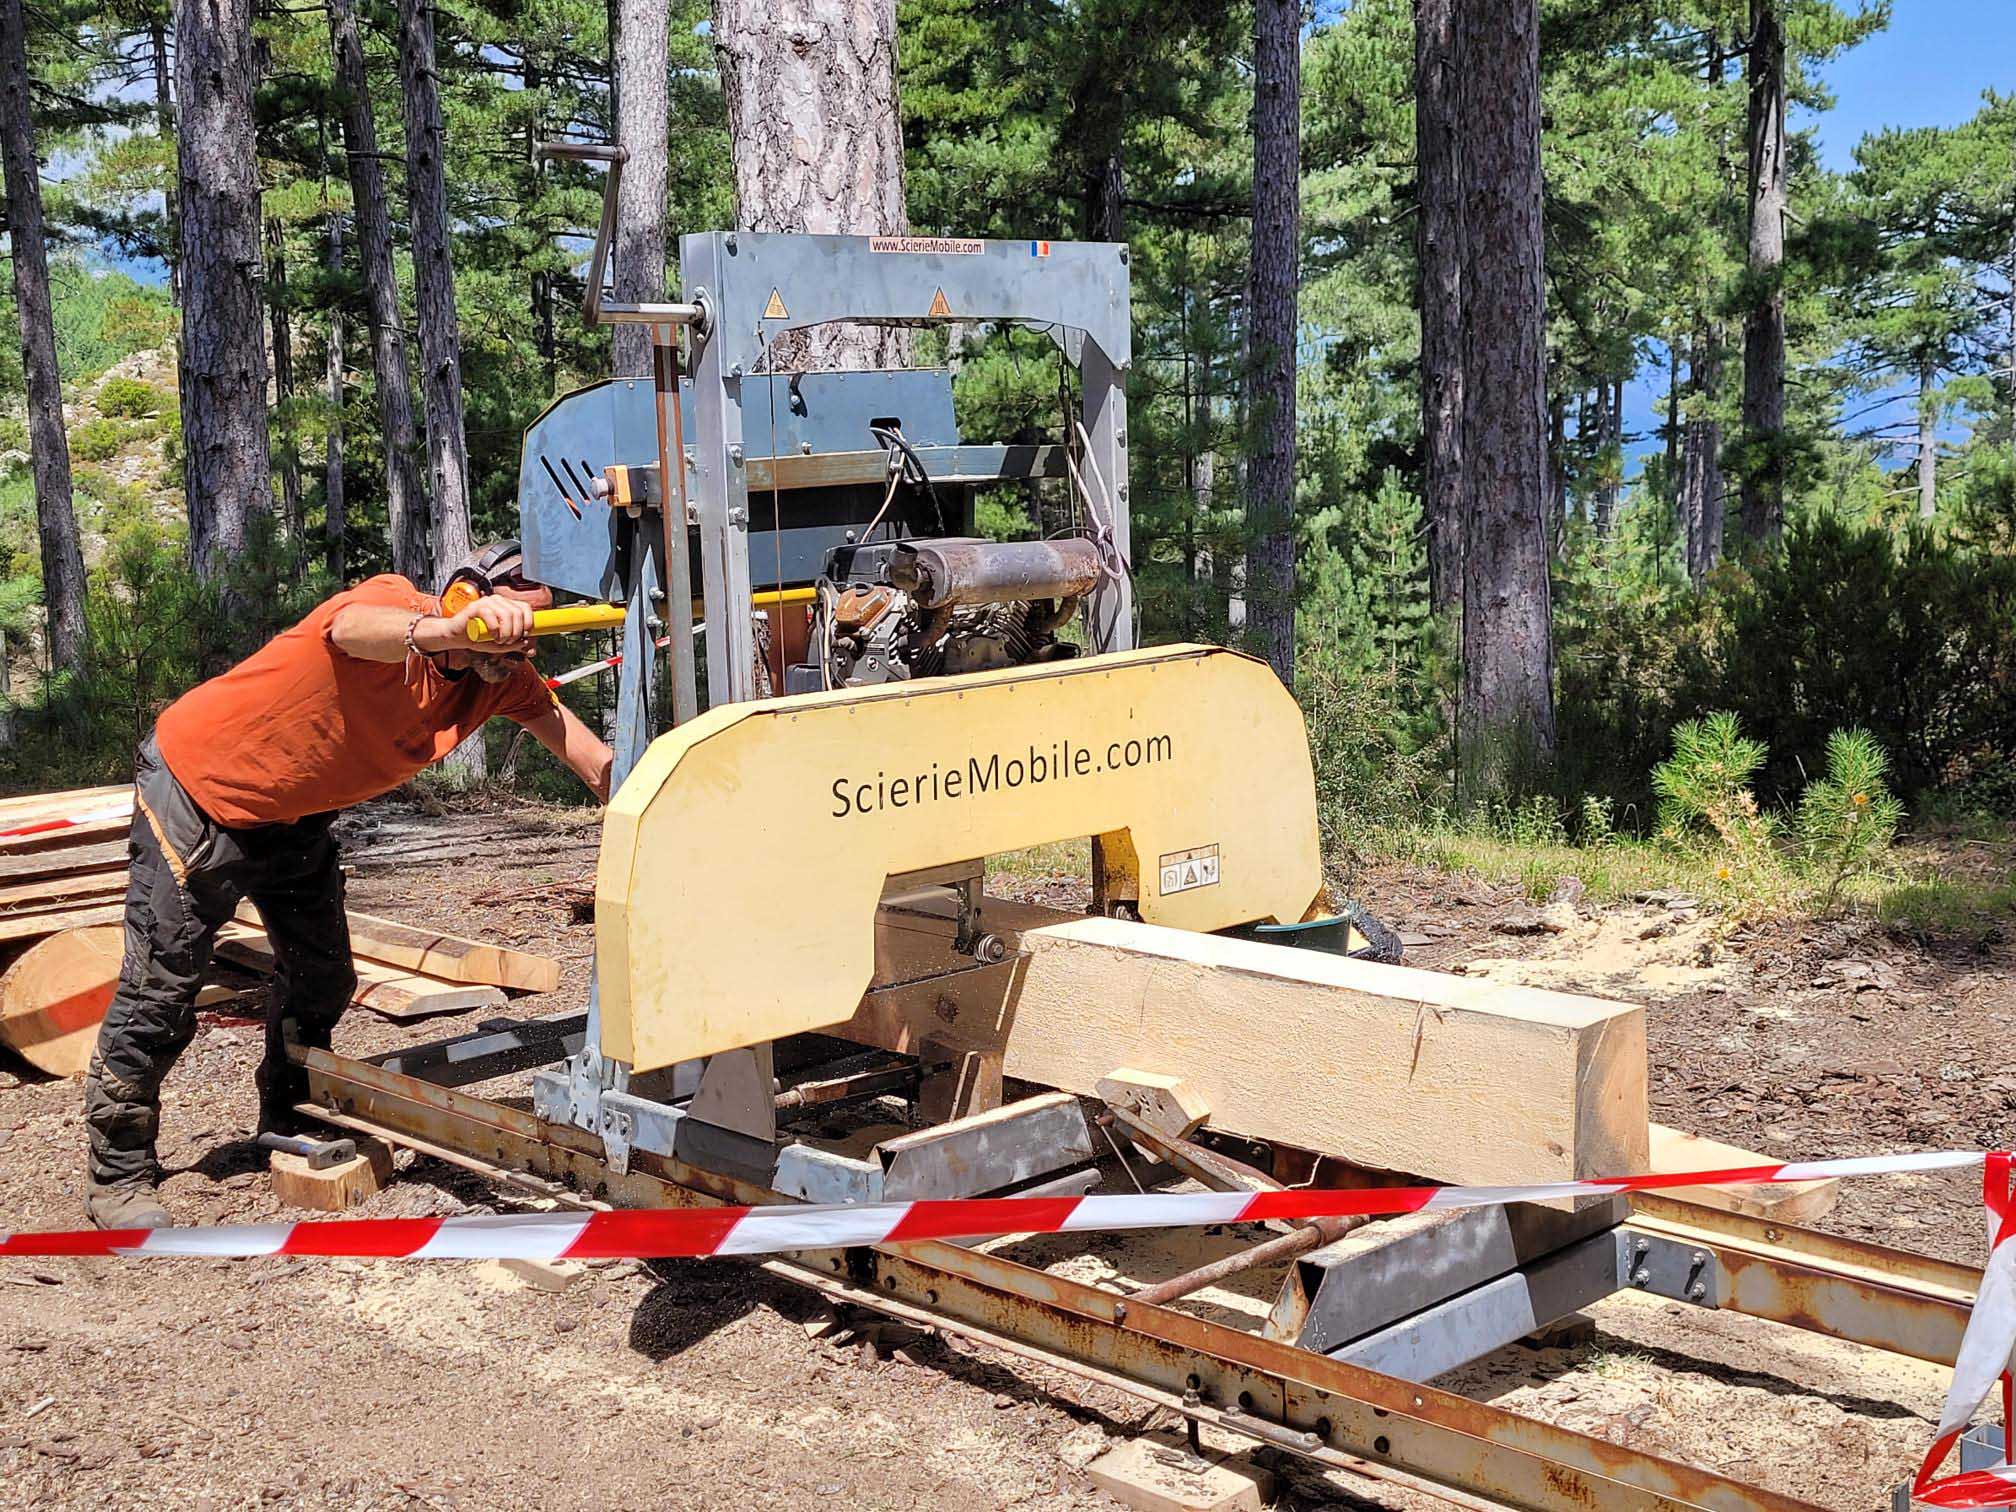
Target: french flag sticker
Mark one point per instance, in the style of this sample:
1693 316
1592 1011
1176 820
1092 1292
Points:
1039 249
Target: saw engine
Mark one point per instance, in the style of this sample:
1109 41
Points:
895 610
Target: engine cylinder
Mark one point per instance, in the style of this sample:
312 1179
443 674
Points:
941 573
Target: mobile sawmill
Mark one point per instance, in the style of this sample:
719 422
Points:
835 703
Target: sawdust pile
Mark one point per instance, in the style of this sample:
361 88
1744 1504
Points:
1639 953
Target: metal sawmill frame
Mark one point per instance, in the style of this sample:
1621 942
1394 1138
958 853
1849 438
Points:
751 430
1327 1410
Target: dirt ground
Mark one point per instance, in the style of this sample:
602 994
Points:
327 1384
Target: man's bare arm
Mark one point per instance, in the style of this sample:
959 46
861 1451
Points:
377 632
579 747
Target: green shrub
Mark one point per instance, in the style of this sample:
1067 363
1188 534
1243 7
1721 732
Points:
1707 808
128 398
1847 818
1910 638
96 440
13 434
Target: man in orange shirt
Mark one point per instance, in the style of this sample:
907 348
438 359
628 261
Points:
235 792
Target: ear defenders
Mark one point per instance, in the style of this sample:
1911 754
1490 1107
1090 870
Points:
479 577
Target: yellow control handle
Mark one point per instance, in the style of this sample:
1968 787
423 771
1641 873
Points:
562 621
576 617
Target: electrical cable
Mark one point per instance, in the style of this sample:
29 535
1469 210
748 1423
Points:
914 472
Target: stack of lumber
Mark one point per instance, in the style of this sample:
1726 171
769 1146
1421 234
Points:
62 900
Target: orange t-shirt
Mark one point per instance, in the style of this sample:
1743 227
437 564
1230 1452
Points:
301 728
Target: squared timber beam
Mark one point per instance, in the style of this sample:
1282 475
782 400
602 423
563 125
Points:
1422 1072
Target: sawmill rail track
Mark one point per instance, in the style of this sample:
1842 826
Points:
1291 1399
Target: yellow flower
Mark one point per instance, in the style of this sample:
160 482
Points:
1859 799
1722 872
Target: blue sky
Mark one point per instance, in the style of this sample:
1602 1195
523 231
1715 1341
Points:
1928 69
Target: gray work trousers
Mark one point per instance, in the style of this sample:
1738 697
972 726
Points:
188 874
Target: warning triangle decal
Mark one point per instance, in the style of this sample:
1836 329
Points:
939 307
775 309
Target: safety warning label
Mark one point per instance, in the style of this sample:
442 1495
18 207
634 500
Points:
958 246
1185 869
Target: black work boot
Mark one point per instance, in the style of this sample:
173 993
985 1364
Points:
124 1205
281 1086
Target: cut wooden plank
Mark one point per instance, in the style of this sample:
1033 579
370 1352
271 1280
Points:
53 997
1404 1070
1786 1202
383 989
70 800
59 892
435 953
62 839
62 863
36 926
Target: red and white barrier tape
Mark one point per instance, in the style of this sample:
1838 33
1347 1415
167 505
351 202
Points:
1985 1353
664 1233
118 810
560 680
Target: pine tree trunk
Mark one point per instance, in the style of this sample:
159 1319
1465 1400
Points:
1673 427
434 288
1701 489
542 281
642 126
1763 517
227 469
1272 280
48 445
440 330
283 389
1556 519
1928 443
1505 709
164 124
405 492
335 524
1610 402
817 141
1440 254
1099 115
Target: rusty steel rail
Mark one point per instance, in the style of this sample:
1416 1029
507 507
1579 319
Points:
1280 1395
1848 1289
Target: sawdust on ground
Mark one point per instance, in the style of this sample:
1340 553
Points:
1632 954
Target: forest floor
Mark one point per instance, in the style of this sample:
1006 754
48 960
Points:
303 1383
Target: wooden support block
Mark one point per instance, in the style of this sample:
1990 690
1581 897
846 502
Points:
546 1275
1167 1104
1157 1473
340 1187
1390 1067
1784 1202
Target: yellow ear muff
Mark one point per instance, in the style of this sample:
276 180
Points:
459 595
